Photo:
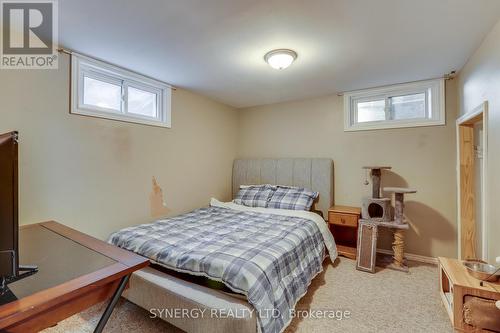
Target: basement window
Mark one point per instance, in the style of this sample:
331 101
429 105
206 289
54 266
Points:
106 91
403 105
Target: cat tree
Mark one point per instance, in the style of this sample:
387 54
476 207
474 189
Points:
376 211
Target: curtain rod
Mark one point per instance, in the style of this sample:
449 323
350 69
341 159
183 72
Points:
446 77
71 53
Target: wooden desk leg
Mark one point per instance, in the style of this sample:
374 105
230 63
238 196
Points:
109 309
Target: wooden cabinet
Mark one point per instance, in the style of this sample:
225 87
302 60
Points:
343 223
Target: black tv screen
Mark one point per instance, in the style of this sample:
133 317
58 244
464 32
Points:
8 205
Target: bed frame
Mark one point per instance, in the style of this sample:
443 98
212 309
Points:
156 291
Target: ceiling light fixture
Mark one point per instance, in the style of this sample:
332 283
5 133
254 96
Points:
281 58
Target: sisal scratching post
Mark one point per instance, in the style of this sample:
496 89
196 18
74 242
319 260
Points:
398 246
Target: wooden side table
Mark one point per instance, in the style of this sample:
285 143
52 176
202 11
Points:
343 223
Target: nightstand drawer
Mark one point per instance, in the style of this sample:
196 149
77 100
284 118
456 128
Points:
343 219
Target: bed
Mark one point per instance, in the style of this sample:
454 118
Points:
261 268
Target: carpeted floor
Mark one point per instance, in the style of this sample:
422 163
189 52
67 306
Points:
388 301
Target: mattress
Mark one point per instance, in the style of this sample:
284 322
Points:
268 255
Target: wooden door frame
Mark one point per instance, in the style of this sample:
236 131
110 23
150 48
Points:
479 113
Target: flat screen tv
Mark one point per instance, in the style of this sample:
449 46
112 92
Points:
10 270
9 225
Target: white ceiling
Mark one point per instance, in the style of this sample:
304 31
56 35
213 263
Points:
216 47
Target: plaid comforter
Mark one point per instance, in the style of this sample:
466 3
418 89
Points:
267 257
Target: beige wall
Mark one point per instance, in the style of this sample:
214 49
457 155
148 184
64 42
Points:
479 81
423 158
95 174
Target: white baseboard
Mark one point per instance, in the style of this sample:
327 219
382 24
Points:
413 257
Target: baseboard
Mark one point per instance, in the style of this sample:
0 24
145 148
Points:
413 257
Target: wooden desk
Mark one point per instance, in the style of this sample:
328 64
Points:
75 271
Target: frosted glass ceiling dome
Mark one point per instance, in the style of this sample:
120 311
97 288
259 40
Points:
281 58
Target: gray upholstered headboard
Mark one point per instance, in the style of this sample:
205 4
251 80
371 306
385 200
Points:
312 173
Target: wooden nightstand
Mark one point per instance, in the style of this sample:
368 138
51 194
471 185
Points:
343 223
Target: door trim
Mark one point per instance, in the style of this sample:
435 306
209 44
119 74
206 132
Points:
478 113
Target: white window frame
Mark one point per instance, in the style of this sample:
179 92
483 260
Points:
435 105
82 66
